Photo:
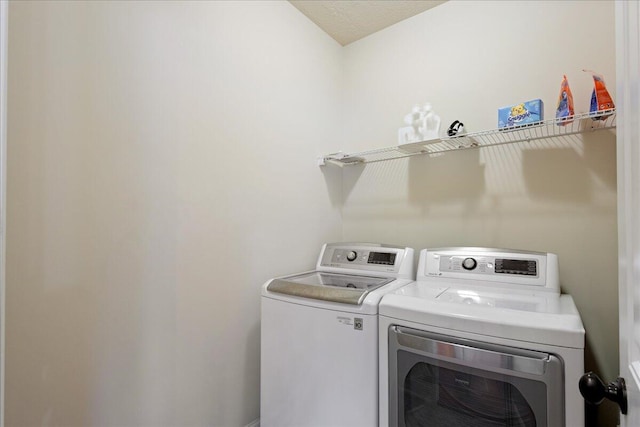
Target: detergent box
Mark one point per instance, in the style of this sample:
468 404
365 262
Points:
526 113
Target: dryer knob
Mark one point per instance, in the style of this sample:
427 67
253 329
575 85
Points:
351 256
469 263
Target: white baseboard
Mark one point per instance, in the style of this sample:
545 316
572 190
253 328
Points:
254 423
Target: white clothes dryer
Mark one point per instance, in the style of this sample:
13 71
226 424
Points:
482 338
319 337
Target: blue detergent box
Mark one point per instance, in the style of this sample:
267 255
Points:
524 114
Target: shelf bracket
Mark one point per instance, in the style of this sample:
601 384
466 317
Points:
340 159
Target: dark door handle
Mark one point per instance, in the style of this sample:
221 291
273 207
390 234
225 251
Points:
595 391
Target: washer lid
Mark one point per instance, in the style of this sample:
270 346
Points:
342 288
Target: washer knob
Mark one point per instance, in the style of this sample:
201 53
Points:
351 256
469 264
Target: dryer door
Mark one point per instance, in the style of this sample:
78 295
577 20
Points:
438 380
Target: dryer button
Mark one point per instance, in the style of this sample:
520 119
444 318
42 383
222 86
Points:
469 263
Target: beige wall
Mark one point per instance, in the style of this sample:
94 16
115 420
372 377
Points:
468 59
162 167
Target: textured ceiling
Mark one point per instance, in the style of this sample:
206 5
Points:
348 21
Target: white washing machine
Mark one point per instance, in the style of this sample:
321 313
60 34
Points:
482 338
319 337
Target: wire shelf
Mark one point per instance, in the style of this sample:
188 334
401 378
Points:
579 123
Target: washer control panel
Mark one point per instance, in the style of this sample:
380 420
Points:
363 257
368 257
508 267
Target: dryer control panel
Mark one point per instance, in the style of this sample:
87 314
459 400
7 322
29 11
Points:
479 264
503 267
